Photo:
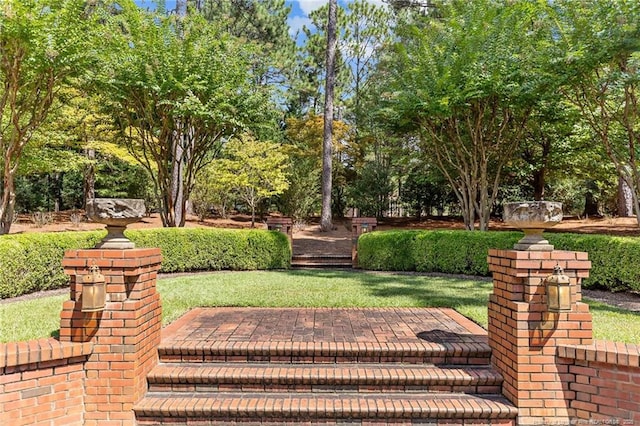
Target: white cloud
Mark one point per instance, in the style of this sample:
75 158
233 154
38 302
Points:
309 6
296 23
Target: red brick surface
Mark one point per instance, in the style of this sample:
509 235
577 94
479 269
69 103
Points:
605 378
125 335
42 382
324 366
553 371
524 337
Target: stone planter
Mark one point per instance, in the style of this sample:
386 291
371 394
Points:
533 217
116 213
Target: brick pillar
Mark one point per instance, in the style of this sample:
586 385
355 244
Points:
359 226
524 336
281 224
126 334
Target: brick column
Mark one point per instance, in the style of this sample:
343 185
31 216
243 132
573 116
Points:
281 224
524 336
359 226
126 334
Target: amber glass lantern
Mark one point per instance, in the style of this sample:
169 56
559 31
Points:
93 290
558 291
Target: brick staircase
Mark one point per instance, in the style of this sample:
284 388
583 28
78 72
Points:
214 382
342 261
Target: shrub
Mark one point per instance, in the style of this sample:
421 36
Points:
32 262
388 251
614 259
207 249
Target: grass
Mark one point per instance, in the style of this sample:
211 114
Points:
40 318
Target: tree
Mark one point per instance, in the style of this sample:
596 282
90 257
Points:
464 84
304 139
213 190
256 168
42 45
264 25
327 144
599 66
178 87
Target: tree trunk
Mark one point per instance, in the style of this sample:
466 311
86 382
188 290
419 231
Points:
89 188
8 201
538 182
181 8
327 143
591 205
625 199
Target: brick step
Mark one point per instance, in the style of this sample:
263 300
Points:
186 377
321 261
277 408
445 353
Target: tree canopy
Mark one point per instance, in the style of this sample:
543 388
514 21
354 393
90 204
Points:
445 107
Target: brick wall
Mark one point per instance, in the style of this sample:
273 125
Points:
605 381
524 336
97 370
125 335
553 371
42 382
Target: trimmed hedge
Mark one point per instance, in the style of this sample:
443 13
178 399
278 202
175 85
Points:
32 262
614 260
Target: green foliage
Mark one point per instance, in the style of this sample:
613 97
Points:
256 170
32 262
388 251
216 249
614 259
464 85
43 44
178 87
371 189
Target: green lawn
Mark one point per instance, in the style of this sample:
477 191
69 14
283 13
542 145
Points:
40 318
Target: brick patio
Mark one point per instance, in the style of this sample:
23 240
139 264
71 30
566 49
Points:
324 366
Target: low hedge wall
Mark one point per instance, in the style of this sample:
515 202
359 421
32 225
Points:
32 262
615 260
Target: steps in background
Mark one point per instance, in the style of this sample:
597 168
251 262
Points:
322 261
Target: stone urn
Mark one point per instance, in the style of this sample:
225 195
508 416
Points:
533 217
116 213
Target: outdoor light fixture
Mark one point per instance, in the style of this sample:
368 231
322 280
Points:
93 290
365 227
558 291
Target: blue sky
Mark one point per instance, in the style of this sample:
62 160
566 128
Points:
300 9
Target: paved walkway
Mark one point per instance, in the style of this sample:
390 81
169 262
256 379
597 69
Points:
312 241
422 327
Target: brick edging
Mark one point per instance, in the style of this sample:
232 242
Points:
15 354
618 353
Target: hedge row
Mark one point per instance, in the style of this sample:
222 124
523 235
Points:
32 262
614 260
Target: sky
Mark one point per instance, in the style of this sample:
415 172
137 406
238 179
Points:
300 10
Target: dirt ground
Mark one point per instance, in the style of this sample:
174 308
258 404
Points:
62 222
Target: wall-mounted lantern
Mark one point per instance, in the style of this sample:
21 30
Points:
365 228
558 291
93 290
